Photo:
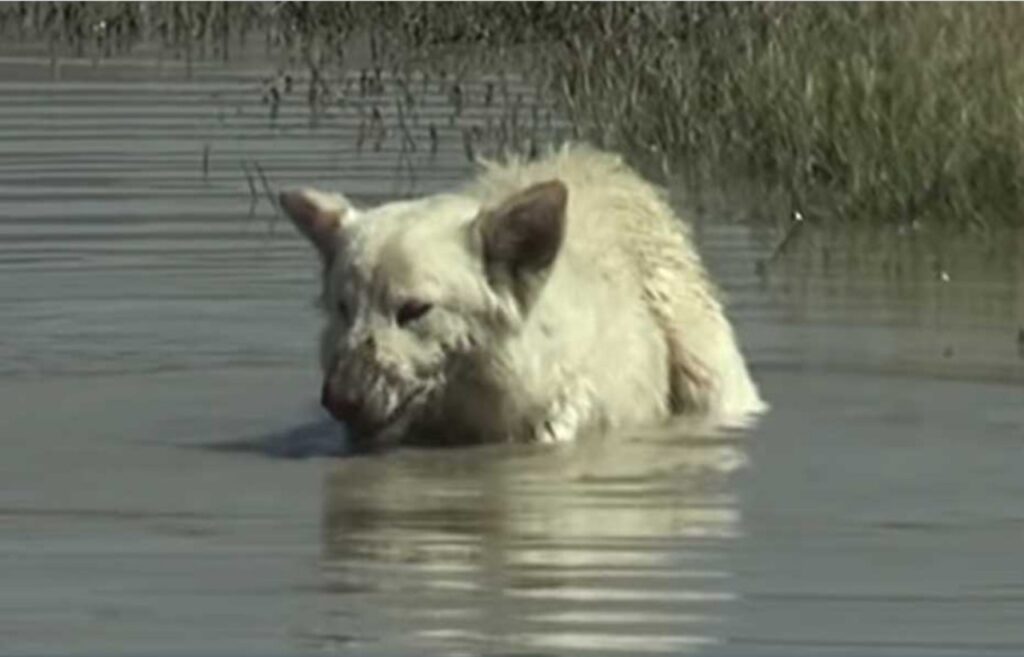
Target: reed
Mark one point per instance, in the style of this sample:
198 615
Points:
869 112
875 112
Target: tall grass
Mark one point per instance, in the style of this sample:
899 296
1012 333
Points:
868 112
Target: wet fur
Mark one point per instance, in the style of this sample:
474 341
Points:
620 327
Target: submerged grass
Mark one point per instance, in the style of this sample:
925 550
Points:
875 112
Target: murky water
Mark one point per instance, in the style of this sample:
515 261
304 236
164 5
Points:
158 394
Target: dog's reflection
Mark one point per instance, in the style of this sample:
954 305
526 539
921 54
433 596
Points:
548 548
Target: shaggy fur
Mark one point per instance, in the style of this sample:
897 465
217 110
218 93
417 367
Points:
542 301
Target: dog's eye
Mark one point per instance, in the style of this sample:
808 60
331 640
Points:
410 311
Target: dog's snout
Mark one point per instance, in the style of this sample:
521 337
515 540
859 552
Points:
341 407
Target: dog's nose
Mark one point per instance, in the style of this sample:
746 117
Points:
341 407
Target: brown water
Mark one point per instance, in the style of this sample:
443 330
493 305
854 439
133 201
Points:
169 485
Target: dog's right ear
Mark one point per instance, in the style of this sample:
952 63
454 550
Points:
318 215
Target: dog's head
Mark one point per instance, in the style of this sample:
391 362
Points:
414 291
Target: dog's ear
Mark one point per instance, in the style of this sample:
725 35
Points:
318 215
521 238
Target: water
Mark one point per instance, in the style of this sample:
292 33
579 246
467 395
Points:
168 483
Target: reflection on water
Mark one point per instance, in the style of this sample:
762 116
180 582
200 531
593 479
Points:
608 547
913 300
150 312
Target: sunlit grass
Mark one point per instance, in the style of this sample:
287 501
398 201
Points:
878 112
881 112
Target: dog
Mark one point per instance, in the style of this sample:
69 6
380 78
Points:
539 302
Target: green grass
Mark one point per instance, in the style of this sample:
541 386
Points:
870 112
863 112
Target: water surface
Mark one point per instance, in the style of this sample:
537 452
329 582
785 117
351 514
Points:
170 485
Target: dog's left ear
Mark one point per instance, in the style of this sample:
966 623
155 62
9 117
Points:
319 216
522 237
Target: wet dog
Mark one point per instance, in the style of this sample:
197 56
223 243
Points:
541 301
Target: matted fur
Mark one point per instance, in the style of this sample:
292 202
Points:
623 327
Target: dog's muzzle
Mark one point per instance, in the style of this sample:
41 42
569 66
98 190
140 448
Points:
343 408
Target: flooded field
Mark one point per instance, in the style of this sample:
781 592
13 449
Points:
169 483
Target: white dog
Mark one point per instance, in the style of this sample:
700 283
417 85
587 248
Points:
542 301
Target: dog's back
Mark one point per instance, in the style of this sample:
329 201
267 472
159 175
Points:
631 293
